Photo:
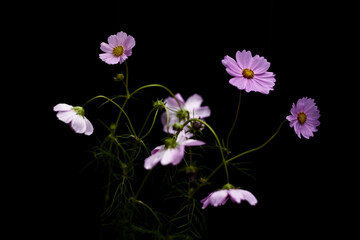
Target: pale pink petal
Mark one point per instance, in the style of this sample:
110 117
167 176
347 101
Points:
178 155
128 52
89 127
259 65
78 124
237 195
158 148
154 159
106 47
169 155
201 112
62 107
66 116
239 82
113 41
219 198
249 197
109 58
193 102
231 66
120 38
206 201
129 42
192 142
243 59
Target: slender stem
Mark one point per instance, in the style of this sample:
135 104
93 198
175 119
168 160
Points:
127 80
239 155
234 123
259 147
121 111
152 125
217 140
142 184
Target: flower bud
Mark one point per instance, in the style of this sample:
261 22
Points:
119 77
178 126
159 104
183 114
170 143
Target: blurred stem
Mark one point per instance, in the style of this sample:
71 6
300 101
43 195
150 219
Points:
217 140
127 80
142 184
234 123
239 155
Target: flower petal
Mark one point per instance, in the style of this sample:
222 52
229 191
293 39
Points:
129 42
169 155
154 159
243 59
219 198
106 47
62 107
120 38
89 127
66 116
193 142
178 155
109 58
78 124
193 102
259 64
237 195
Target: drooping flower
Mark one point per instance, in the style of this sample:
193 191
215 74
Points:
118 48
220 197
249 73
304 117
191 108
75 117
171 152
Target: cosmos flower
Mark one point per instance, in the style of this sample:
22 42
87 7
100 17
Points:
118 48
171 152
220 197
304 117
191 108
75 117
249 73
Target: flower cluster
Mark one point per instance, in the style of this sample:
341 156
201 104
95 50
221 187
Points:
182 120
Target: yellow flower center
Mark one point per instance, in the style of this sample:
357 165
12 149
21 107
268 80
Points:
247 73
118 51
302 118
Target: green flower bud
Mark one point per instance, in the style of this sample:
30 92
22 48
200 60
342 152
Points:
178 126
119 77
183 114
159 104
170 143
79 110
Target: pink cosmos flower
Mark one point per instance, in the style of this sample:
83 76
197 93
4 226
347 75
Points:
249 73
75 117
171 152
191 108
220 197
304 117
118 48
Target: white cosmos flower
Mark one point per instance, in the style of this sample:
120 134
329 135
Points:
75 117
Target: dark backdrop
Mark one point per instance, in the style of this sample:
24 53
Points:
181 45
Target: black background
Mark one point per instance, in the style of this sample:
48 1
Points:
181 45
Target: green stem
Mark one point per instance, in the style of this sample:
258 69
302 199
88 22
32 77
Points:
152 125
239 155
217 140
121 111
127 80
234 123
259 147
142 184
